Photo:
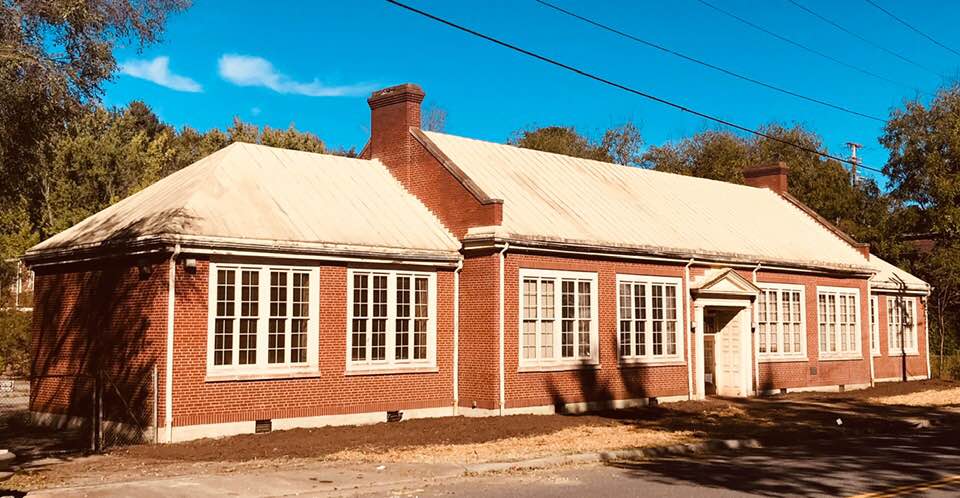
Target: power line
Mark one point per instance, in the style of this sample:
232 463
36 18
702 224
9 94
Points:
862 38
624 87
905 23
707 64
804 47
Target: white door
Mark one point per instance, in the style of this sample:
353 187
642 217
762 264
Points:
730 358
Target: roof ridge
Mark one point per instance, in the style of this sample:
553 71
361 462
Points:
638 169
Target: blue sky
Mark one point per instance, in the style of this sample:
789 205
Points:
312 64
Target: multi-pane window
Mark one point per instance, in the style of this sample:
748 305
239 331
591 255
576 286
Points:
391 319
874 325
649 318
780 321
838 321
901 325
260 317
558 317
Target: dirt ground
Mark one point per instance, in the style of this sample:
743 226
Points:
779 420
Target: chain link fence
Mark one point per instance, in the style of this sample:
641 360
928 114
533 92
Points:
82 412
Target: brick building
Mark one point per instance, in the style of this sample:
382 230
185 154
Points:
439 275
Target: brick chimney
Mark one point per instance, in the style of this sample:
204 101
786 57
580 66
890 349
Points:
773 177
393 111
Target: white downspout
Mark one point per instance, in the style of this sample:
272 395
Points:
456 337
168 380
876 316
926 330
502 380
686 333
753 340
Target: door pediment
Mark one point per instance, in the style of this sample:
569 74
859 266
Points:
724 283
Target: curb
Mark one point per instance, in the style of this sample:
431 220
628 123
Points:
606 456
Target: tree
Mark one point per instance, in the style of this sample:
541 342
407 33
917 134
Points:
435 119
54 57
924 162
923 168
620 144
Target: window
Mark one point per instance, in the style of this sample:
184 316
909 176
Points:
558 323
392 319
874 326
261 319
781 326
649 318
901 325
838 317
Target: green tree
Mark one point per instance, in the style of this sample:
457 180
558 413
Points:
620 144
924 163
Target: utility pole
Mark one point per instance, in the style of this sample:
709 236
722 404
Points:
854 161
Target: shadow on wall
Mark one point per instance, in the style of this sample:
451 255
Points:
596 391
100 326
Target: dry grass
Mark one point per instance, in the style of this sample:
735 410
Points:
943 397
581 439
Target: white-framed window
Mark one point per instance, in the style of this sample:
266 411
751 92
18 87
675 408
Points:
874 325
558 318
781 323
901 325
838 317
649 318
391 319
262 319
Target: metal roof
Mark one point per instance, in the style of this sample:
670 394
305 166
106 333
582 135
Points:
254 196
552 197
889 277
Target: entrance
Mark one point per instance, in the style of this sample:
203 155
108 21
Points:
726 351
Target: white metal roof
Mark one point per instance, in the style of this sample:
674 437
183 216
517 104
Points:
258 196
889 277
552 197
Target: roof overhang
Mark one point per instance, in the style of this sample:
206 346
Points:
493 237
239 247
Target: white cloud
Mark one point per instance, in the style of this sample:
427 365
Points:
158 71
246 70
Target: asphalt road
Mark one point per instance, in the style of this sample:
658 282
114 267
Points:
924 464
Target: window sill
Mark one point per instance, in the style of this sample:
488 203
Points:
783 359
559 367
898 354
280 375
841 358
643 362
392 370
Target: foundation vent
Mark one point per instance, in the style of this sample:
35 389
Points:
263 426
394 416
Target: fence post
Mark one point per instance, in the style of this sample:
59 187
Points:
156 399
99 411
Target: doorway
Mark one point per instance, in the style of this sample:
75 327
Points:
726 351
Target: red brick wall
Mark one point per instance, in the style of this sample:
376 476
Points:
610 381
776 375
479 331
889 364
107 314
332 392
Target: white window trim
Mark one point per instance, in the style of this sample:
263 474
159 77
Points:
558 362
390 364
649 358
875 327
262 369
891 349
858 324
780 355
